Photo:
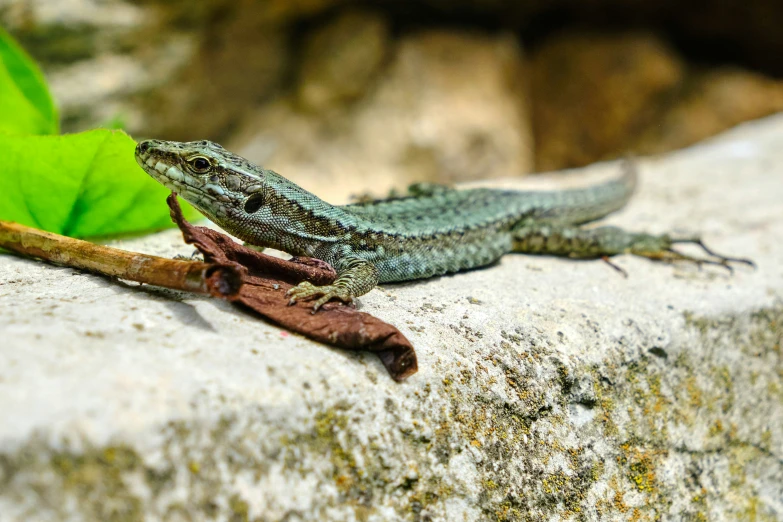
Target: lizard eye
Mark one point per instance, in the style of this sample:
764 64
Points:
200 164
253 203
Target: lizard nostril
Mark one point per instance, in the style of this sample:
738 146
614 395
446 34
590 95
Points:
144 146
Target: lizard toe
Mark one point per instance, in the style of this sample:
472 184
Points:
333 292
306 290
303 290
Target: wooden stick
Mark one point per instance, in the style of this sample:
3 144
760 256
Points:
188 276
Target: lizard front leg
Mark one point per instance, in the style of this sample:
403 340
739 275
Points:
355 277
608 241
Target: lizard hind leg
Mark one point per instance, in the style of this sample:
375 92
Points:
604 242
581 243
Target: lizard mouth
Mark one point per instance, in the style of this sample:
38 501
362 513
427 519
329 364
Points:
161 164
149 159
153 160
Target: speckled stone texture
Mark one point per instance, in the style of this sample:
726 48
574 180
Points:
548 389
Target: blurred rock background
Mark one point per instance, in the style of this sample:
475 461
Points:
349 97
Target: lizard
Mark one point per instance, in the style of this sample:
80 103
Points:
437 230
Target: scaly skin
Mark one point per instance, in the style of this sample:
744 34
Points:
436 231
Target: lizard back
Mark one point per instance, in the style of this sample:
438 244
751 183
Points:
445 208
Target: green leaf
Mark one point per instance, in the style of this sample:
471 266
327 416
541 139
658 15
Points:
26 107
80 185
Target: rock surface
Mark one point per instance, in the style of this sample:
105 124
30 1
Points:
548 389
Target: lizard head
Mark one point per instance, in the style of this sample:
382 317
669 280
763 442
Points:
252 203
205 174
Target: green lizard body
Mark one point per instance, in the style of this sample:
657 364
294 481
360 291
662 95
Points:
437 231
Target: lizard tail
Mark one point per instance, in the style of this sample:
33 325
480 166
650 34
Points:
579 206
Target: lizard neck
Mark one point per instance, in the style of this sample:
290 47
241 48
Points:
290 219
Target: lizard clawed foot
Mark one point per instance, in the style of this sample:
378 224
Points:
670 255
305 290
718 259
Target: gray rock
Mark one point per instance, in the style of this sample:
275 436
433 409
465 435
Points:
548 389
